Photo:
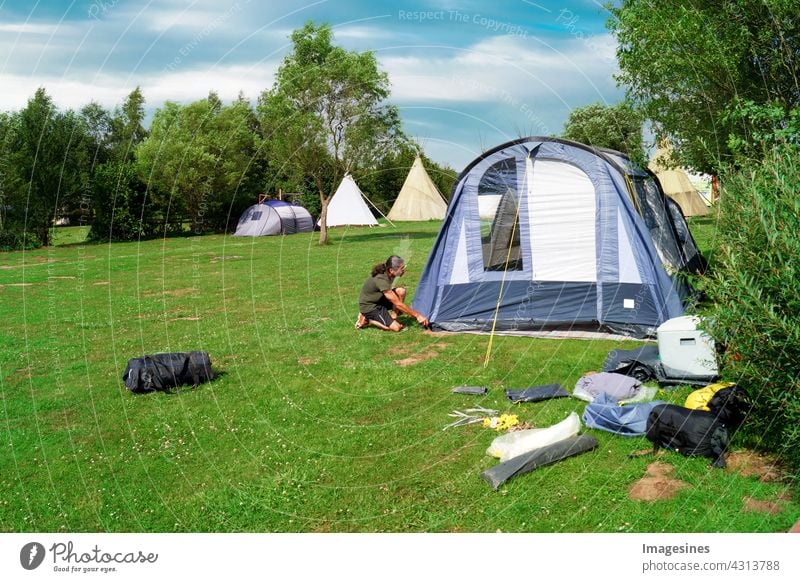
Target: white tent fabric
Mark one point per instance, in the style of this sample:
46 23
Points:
419 198
259 220
347 206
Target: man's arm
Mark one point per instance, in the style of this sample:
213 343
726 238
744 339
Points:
399 306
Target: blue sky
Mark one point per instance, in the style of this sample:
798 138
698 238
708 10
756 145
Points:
466 75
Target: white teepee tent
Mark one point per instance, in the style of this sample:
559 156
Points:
419 198
347 206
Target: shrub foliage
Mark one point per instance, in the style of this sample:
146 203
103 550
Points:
756 291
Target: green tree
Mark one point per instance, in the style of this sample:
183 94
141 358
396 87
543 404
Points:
618 127
7 239
127 131
98 124
198 157
48 165
122 209
327 114
689 64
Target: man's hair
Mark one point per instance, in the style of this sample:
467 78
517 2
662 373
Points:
393 262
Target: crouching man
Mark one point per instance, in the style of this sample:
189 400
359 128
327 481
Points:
380 302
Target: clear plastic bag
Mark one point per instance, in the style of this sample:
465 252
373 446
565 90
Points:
517 443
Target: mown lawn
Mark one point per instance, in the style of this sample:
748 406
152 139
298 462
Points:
311 426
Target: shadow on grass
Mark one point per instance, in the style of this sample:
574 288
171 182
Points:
368 236
184 388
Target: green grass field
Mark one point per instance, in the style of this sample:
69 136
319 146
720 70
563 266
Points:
311 426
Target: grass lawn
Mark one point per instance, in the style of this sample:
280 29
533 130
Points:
312 426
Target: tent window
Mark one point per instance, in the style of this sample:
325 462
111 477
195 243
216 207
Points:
498 202
658 222
256 215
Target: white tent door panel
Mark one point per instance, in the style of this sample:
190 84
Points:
562 218
460 272
628 269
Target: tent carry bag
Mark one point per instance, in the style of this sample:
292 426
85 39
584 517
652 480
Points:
690 432
164 371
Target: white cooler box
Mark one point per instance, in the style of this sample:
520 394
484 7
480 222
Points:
685 350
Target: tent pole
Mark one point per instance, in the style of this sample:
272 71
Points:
502 283
376 208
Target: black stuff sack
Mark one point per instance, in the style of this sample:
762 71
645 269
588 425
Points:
731 406
165 371
690 432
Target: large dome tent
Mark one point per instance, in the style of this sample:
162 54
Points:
567 247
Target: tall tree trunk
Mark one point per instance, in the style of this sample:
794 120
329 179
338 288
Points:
323 219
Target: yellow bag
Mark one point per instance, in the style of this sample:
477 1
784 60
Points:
699 399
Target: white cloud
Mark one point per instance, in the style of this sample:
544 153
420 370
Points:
195 84
505 68
110 91
28 28
360 33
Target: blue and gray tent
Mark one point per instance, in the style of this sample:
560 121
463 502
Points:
274 217
579 239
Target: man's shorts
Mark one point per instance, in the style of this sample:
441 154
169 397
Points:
381 315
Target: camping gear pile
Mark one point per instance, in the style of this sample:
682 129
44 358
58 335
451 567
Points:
684 355
703 430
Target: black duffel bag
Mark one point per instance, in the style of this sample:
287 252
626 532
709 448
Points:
690 432
166 371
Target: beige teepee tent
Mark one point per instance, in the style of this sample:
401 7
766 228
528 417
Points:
419 199
676 184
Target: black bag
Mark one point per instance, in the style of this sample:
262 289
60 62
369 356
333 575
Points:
690 432
165 371
730 406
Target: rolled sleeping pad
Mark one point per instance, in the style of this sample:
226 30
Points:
527 462
537 393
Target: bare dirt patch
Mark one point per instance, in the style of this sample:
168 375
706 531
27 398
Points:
759 506
432 351
39 261
752 464
102 283
656 484
192 318
306 361
438 333
226 258
411 360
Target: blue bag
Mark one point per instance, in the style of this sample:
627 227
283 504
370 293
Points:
630 420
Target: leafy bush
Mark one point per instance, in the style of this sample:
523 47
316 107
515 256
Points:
16 240
121 206
756 291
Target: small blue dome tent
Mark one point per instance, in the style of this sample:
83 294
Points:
567 246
